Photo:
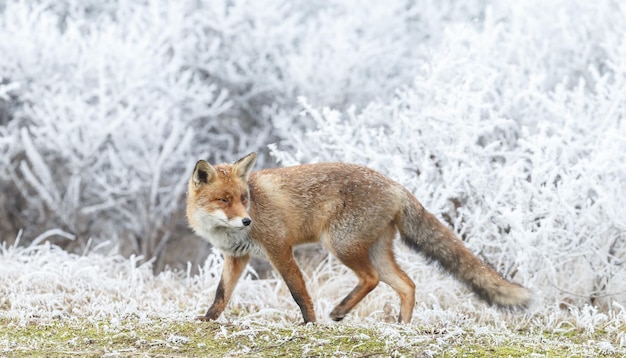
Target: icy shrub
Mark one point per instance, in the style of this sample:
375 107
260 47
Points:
105 106
108 121
513 135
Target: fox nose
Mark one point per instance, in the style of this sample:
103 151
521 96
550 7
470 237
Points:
246 221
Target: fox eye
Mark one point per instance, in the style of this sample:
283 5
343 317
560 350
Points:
224 200
244 198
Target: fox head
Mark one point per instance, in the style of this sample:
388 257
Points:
218 197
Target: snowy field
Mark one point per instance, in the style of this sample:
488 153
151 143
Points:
507 119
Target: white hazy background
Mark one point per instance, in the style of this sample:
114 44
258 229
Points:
506 119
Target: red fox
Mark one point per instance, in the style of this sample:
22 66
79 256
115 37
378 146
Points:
353 211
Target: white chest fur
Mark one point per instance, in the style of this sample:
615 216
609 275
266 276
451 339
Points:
235 243
232 241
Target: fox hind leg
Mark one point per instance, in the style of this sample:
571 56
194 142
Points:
383 259
358 260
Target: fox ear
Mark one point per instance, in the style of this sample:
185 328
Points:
203 173
243 166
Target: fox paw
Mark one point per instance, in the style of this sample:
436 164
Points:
207 317
337 314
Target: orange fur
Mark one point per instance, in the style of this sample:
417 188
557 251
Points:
353 211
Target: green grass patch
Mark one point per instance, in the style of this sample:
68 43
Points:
186 338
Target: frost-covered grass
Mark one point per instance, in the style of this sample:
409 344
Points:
55 303
164 337
506 119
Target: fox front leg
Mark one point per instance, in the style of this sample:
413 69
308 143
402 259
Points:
284 262
233 268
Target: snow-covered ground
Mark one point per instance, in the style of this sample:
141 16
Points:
505 118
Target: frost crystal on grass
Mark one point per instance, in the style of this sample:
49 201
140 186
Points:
606 347
177 339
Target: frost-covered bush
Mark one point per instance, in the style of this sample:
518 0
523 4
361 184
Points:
106 105
513 134
108 120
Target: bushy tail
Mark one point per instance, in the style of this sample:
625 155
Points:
421 231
